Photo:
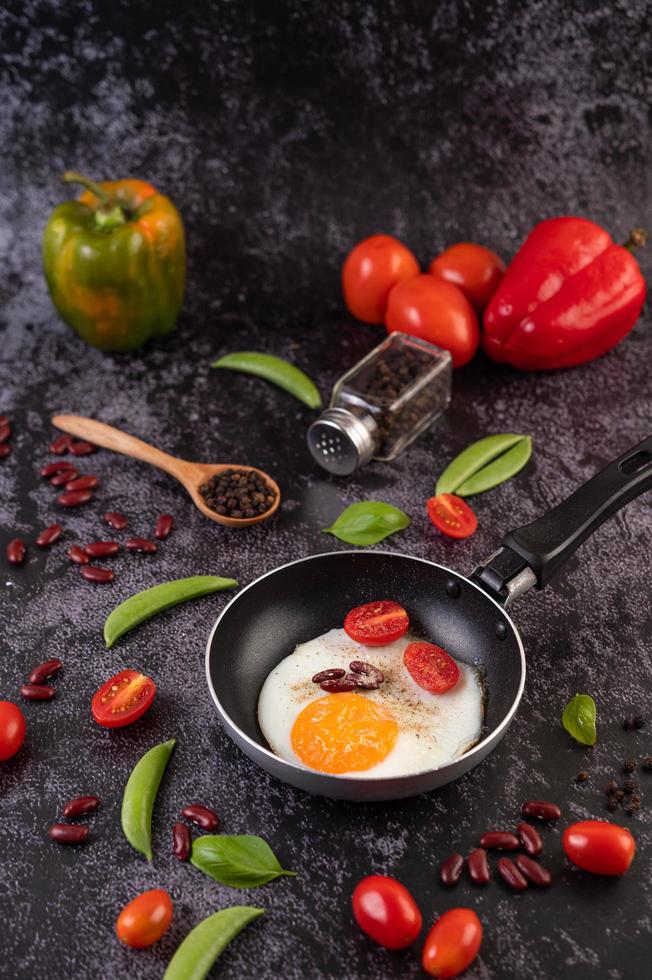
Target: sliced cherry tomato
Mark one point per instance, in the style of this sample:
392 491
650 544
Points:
123 699
452 516
436 311
475 269
376 623
386 911
452 944
145 919
431 667
600 847
371 270
12 729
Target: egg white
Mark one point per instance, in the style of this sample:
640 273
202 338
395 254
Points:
434 729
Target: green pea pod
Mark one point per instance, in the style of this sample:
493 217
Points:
485 464
142 606
203 944
273 369
140 794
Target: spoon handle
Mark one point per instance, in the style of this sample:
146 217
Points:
120 442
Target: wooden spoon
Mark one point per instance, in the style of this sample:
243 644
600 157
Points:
191 475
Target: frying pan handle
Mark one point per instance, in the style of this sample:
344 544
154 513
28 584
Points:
531 555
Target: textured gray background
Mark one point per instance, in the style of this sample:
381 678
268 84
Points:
284 133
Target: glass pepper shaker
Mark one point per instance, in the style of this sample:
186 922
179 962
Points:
382 404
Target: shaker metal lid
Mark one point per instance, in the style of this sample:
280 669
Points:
341 441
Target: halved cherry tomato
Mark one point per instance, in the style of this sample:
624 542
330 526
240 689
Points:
376 623
145 919
475 269
452 944
431 667
370 271
436 311
123 699
12 729
386 911
600 847
452 516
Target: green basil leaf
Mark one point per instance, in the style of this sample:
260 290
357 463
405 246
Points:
485 464
368 522
579 719
241 862
203 944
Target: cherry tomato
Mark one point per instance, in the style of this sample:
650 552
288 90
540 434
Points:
12 729
370 271
386 911
452 516
431 667
145 919
475 269
436 311
452 944
123 699
600 847
376 623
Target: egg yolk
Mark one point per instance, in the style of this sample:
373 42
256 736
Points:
343 733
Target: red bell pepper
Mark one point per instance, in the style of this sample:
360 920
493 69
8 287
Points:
569 295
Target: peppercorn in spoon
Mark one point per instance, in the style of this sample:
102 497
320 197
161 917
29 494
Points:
231 488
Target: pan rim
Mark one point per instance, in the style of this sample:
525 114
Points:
493 736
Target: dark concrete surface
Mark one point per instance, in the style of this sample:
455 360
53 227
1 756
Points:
285 132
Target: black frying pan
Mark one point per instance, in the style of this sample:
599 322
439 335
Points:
306 598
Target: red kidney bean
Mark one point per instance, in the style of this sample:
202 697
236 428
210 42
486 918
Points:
101 549
89 482
81 448
499 840
37 692
478 866
74 498
80 806
4 420
451 869
202 816
541 810
45 670
78 555
60 446
16 551
510 873
530 840
5 450
141 545
5 432
68 833
533 871
116 520
163 526
367 676
59 465
332 674
64 476
181 841
93 574
340 685
49 535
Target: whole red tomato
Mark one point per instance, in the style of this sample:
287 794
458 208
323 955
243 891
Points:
436 311
386 911
12 729
600 847
475 269
371 270
452 944
145 919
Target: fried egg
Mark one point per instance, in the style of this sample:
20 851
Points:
396 730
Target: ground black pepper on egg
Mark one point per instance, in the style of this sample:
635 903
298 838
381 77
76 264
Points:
238 493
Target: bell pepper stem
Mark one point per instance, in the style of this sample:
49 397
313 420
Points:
109 214
637 239
71 177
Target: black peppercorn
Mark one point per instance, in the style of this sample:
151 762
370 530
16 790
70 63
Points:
619 794
611 787
647 763
629 765
581 777
238 493
612 803
630 785
632 807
